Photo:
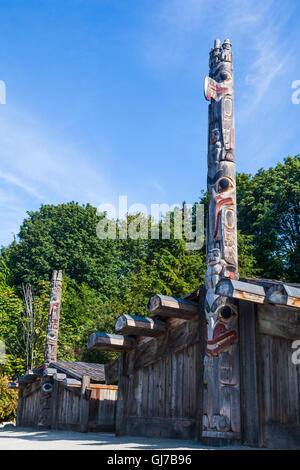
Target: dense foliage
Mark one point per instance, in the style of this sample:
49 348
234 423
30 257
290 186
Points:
105 278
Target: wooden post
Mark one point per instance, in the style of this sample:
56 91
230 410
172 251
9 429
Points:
19 420
53 319
221 417
122 397
84 404
50 349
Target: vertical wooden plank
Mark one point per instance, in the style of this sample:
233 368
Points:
179 385
121 410
199 366
145 392
54 405
250 416
160 388
20 410
168 386
84 404
174 385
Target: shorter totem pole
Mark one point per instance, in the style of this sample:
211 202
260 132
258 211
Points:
51 346
221 418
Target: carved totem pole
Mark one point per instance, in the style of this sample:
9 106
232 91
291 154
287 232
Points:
221 414
51 346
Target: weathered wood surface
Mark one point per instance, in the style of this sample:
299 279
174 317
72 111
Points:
250 419
159 386
139 326
26 379
241 290
13 385
284 295
107 342
112 372
279 382
102 409
71 382
34 373
84 404
164 306
278 321
49 372
53 318
29 409
173 341
59 377
77 370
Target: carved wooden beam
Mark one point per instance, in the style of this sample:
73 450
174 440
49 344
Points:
71 383
283 294
107 342
278 293
241 290
139 326
164 306
49 372
33 373
13 385
26 378
59 377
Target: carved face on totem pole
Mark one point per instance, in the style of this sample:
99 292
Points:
221 410
221 234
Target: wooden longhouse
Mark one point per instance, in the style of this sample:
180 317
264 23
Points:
64 394
161 378
218 366
80 399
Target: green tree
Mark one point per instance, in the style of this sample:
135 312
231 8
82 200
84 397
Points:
269 211
64 237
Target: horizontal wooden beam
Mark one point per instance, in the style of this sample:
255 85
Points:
107 342
164 306
139 326
26 378
49 372
241 290
13 385
34 372
104 387
284 294
59 377
71 383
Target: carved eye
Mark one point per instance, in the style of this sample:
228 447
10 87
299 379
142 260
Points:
225 75
224 184
226 313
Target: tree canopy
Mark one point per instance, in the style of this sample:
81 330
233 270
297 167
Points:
105 278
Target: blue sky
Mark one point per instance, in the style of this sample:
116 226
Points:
105 97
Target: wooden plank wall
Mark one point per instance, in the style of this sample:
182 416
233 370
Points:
160 387
102 412
30 404
67 409
270 395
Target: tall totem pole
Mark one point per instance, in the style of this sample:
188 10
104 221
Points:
51 346
221 414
